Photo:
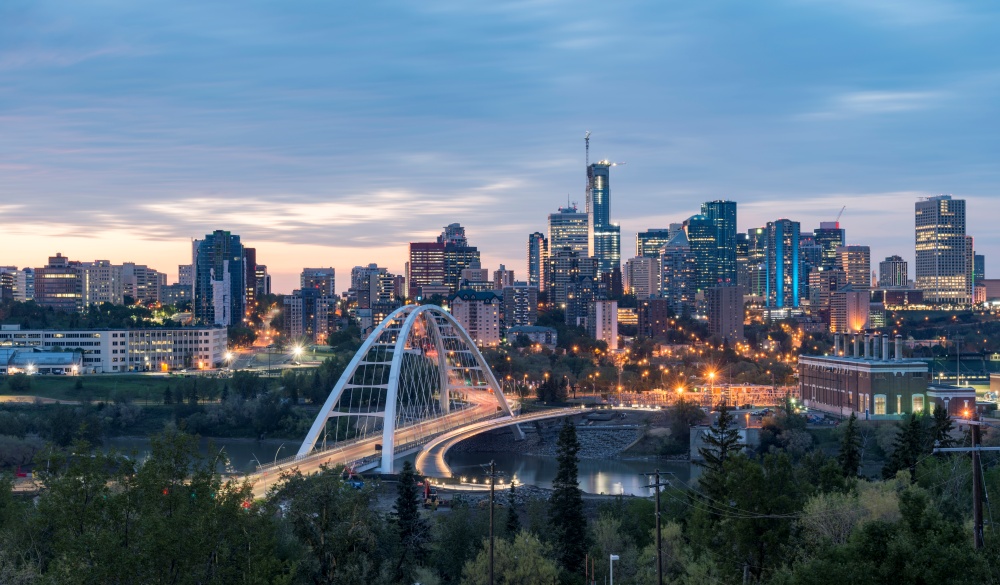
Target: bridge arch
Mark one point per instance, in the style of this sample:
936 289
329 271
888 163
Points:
417 375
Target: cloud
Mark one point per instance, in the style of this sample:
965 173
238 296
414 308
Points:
868 103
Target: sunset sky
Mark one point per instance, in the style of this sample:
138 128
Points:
333 133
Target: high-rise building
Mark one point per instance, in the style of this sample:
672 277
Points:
479 314
603 237
538 255
642 277
978 267
677 273
701 236
654 317
102 283
822 284
568 228
743 262
185 274
849 310
784 282
7 278
250 279
321 279
943 251
725 312
502 278
262 280
22 282
425 268
602 322
856 262
219 282
141 282
453 235
649 242
757 261
456 256
892 273
829 236
307 314
566 266
520 305
723 215
59 285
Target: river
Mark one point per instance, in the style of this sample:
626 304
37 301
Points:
596 476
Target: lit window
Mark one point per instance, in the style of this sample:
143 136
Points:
880 404
918 403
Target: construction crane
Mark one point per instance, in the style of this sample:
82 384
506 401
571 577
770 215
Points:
837 221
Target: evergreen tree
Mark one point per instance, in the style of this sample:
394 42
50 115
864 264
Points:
849 457
168 396
723 440
907 449
513 525
569 526
942 428
225 392
412 530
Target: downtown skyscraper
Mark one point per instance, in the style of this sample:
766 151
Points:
603 237
784 283
723 215
943 251
219 279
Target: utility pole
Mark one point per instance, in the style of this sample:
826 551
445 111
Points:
493 481
659 549
977 477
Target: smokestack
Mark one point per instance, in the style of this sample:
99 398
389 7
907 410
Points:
899 347
854 353
868 345
885 348
836 344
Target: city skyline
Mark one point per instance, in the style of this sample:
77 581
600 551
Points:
325 145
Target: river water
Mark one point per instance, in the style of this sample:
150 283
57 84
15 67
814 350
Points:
596 476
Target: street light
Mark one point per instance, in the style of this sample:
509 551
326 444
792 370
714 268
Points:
611 564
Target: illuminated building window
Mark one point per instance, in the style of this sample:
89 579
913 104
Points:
880 404
918 403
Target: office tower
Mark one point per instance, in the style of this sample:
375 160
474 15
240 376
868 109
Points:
892 273
477 279
538 254
849 310
568 228
811 253
58 285
566 266
141 282
479 314
642 277
611 283
370 285
829 236
24 287
307 314
262 280
602 322
978 267
757 261
723 215
725 313
502 278
219 282
185 274
856 262
649 242
603 237
425 268
14 281
457 255
823 283
943 251
654 317
520 305
322 279
701 237
743 262
7 280
250 278
677 273
784 283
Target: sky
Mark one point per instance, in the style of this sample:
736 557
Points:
334 133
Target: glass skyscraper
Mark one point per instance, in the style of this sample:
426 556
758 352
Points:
702 239
538 255
829 236
603 237
649 242
784 283
723 215
944 261
219 279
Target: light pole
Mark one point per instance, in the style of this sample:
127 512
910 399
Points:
493 480
258 467
611 565
275 464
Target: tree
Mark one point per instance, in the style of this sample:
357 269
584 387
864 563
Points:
412 529
524 560
19 383
168 396
849 457
569 525
942 428
513 525
722 440
907 449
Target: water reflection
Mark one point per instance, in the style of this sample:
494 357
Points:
596 476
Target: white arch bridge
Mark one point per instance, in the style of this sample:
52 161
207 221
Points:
418 377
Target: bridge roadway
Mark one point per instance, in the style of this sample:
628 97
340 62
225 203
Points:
431 459
363 456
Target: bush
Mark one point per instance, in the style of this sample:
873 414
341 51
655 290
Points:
19 383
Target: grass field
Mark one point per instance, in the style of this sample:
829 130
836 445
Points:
133 387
